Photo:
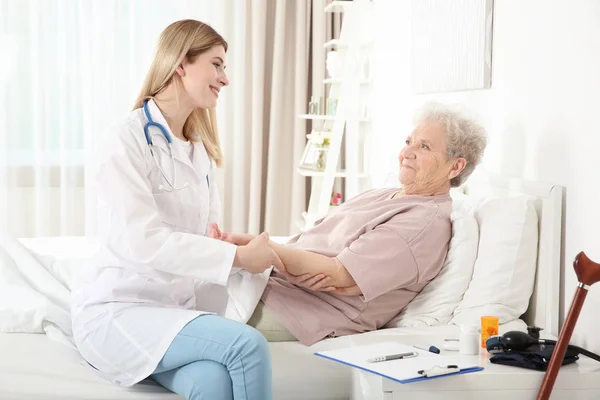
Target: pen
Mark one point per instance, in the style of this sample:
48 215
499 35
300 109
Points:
392 357
431 349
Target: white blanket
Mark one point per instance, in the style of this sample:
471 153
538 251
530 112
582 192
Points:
35 288
245 290
32 298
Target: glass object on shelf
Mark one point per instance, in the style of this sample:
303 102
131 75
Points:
315 107
312 106
321 157
322 106
331 107
315 152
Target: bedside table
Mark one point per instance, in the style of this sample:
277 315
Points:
577 381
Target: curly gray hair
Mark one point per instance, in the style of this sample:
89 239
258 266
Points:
465 137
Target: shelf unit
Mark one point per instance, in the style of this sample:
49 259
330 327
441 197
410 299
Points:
350 126
337 174
332 80
318 117
342 44
338 6
335 43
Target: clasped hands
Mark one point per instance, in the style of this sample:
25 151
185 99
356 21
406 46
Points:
257 253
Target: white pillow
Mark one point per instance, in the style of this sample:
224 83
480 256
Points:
438 300
504 272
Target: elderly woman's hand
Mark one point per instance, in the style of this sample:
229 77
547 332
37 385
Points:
313 282
348 291
319 283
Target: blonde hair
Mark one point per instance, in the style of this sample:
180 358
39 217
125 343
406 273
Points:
180 40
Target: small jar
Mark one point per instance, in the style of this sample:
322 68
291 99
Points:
468 340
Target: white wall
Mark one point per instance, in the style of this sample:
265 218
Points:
541 112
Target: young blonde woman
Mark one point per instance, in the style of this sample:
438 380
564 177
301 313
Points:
152 304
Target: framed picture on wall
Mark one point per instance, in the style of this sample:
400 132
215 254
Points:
451 45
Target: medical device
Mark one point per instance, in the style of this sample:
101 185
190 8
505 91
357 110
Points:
517 341
167 137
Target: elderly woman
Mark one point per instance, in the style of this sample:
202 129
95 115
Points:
361 265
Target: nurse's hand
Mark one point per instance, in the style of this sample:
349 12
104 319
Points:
257 256
239 239
214 232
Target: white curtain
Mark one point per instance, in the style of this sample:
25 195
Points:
278 61
261 131
70 69
73 67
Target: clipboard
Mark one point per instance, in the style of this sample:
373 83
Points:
425 366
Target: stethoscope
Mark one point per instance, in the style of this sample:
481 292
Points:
151 145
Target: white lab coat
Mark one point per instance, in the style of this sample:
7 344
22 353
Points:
156 270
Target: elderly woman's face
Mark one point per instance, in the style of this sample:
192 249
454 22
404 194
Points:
423 160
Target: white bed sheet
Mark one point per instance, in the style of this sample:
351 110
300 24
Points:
34 367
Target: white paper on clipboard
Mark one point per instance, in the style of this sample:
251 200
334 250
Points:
426 365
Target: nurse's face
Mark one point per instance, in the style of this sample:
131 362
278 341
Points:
204 78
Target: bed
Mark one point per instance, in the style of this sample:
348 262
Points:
42 365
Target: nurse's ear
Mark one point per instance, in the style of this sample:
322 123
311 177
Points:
180 70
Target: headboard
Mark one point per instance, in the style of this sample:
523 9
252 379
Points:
543 310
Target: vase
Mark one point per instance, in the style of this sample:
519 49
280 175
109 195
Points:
321 161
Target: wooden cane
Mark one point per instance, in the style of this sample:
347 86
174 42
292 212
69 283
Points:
588 273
